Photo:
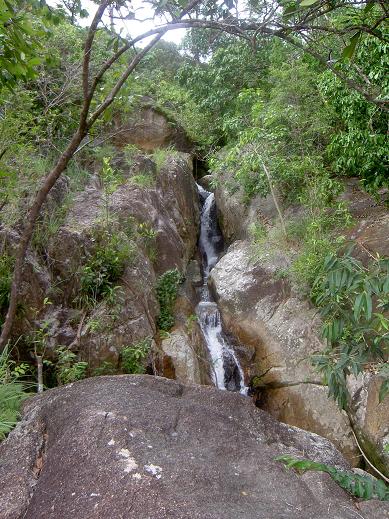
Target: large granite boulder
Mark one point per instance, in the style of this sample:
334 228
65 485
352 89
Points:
144 447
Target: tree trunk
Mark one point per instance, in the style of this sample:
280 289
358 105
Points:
28 231
273 194
39 362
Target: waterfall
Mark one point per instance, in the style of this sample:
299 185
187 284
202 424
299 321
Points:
226 371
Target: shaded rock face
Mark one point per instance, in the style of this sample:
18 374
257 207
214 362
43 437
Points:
183 354
370 418
263 313
235 216
169 208
144 447
149 129
36 281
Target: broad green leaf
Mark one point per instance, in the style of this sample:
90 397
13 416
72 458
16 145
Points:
307 3
384 390
358 306
348 51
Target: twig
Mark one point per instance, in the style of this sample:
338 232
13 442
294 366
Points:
367 459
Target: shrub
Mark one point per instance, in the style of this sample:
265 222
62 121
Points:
353 301
132 357
161 155
104 267
365 487
12 392
143 180
105 368
167 288
68 368
6 267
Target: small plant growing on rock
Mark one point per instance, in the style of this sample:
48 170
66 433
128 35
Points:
12 391
132 357
144 180
104 267
68 368
147 236
161 155
365 487
167 288
130 151
105 368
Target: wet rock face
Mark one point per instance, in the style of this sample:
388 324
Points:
282 331
144 447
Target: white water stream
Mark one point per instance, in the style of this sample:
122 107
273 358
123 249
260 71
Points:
226 371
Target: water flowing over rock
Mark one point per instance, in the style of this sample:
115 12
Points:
226 371
145 447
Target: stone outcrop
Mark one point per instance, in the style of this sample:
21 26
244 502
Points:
182 352
160 220
142 447
260 307
281 331
370 418
235 216
169 209
149 128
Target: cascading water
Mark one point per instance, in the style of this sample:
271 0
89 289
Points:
226 371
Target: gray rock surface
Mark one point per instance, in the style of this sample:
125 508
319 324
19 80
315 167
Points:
370 417
169 208
260 309
149 129
141 447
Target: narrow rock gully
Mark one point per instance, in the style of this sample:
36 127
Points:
226 371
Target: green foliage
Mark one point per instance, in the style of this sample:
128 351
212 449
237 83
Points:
167 289
353 301
325 216
216 85
359 146
258 233
6 268
161 155
20 39
130 151
132 357
110 180
105 368
147 238
12 391
364 487
68 368
144 180
103 269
